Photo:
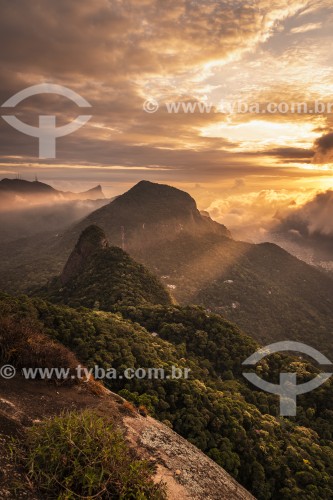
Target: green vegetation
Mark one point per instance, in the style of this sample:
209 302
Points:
267 292
215 408
263 289
102 277
83 455
109 279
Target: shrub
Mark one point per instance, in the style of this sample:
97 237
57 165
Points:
143 411
23 344
83 455
129 408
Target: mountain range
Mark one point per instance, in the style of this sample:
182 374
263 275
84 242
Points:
149 281
20 190
269 293
266 291
123 317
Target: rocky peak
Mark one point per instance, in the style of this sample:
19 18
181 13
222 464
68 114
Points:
90 241
150 213
151 202
95 193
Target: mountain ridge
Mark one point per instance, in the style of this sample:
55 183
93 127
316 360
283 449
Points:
149 207
20 189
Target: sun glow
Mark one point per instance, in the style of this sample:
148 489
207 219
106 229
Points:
327 167
258 135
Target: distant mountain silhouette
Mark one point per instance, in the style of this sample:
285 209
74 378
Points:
30 208
21 186
95 193
16 190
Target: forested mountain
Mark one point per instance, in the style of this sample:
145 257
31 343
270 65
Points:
215 408
266 291
97 275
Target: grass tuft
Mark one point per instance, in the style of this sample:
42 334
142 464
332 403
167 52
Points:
83 455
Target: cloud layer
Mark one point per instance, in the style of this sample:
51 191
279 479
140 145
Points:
117 53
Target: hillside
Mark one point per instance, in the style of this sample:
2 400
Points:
171 457
97 275
214 408
269 293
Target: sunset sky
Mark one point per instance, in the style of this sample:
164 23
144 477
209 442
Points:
119 53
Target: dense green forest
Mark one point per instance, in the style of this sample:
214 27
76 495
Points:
215 408
109 279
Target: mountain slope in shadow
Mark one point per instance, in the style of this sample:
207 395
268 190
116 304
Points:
266 291
97 275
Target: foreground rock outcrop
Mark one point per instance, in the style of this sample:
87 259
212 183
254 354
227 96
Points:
187 472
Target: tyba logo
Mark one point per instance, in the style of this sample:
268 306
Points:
287 389
47 132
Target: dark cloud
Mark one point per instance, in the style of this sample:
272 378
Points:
324 149
109 51
317 214
290 154
115 53
310 228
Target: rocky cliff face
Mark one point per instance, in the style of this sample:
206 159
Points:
91 240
